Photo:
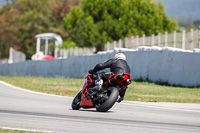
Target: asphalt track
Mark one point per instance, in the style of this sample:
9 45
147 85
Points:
32 111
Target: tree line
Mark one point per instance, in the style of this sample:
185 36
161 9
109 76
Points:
80 22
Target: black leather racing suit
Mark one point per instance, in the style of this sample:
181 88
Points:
116 66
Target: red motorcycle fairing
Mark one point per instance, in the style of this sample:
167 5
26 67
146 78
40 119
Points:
85 103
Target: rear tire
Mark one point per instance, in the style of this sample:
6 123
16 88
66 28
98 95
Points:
112 97
76 102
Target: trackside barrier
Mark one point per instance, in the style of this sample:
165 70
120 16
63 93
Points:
171 65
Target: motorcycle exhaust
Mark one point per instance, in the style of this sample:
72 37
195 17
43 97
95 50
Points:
125 83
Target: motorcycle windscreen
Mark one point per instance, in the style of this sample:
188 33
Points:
85 84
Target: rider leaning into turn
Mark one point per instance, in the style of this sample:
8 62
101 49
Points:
116 65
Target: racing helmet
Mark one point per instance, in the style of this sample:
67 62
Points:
120 56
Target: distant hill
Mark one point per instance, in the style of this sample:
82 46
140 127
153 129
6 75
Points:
182 9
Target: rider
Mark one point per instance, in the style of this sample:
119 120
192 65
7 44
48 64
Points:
116 65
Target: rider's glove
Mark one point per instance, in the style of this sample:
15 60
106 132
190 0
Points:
91 71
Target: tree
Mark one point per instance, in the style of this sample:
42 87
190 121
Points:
20 21
93 23
197 24
192 26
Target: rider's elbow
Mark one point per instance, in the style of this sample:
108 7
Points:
99 66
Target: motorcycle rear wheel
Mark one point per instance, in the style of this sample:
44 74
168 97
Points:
76 102
112 97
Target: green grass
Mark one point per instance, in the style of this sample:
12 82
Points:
137 91
15 131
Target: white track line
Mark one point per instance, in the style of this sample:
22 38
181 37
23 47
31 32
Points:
4 83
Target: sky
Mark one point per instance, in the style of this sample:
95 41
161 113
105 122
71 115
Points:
2 2
182 9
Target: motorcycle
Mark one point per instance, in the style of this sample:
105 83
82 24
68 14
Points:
102 99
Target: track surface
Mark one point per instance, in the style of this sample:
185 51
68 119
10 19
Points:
21 109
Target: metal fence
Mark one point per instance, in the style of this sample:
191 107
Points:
16 56
64 53
184 40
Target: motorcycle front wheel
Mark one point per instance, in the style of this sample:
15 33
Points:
112 95
76 102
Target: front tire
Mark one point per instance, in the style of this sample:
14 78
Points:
112 94
76 102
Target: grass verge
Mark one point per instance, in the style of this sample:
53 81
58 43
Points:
16 131
137 91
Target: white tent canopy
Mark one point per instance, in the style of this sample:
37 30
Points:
46 37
